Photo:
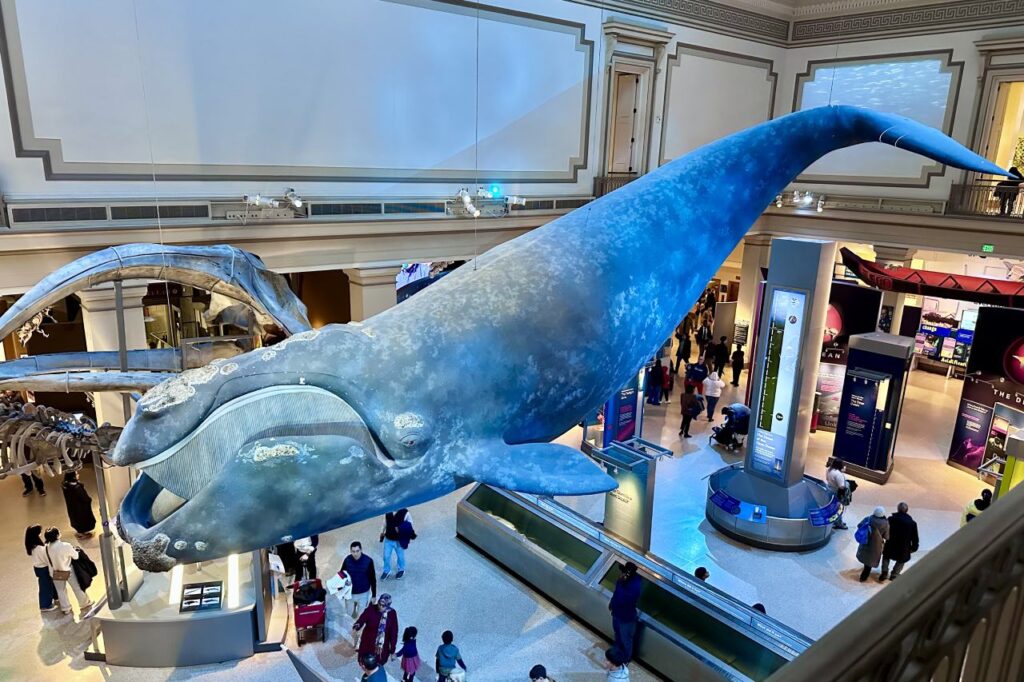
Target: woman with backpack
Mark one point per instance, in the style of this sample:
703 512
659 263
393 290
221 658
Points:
872 534
396 535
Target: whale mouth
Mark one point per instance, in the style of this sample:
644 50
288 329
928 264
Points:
170 479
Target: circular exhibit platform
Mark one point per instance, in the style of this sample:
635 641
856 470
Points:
764 514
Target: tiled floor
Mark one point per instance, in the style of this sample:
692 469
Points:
503 627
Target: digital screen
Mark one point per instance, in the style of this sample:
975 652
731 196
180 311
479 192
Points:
776 406
969 319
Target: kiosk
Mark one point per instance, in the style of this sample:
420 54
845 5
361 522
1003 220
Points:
768 501
869 413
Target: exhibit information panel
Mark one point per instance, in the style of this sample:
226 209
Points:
779 388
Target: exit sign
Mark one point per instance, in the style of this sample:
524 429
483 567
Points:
988 248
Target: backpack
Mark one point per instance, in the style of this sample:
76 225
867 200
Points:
863 532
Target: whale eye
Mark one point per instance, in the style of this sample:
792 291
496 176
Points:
410 440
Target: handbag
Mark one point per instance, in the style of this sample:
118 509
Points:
57 575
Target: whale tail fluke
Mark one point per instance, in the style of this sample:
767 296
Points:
867 125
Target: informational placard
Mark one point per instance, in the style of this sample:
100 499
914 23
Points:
824 516
970 434
777 402
628 509
861 417
201 596
621 414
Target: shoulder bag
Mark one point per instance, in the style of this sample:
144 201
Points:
57 575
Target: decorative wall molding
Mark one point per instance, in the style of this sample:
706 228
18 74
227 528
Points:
55 167
928 171
827 22
771 76
957 15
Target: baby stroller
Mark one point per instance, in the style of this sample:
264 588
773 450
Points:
733 433
309 599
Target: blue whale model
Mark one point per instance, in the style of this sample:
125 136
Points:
467 380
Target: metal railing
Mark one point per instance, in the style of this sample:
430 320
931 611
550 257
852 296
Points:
604 184
956 614
979 198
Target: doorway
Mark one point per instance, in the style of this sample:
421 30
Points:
623 158
1005 143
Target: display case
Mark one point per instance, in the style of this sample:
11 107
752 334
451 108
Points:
689 630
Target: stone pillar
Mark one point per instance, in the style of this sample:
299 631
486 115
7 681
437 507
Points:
756 249
897 256
371 290
99 315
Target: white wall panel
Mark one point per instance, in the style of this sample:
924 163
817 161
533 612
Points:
316 88
712 94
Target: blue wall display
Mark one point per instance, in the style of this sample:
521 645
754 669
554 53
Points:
469 379
860 417
620 414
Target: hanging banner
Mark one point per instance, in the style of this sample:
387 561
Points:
992 400
852 309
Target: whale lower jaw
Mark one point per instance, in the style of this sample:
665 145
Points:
171 479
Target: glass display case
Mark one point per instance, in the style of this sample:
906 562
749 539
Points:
560 544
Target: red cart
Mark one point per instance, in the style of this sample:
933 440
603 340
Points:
310 619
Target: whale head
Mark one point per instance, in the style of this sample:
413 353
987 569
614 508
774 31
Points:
287 441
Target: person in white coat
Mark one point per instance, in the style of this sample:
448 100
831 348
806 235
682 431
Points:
59 555
712 392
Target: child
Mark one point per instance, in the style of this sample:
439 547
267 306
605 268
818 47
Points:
447 657
410 657
615 665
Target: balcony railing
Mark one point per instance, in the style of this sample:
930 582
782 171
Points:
955 614
603 184
979 199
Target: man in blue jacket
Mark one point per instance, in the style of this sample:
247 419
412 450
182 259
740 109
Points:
623 608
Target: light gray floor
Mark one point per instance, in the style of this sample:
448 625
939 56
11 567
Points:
503 627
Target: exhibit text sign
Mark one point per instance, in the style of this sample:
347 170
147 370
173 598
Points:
779 390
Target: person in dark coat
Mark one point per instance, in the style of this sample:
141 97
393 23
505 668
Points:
623 607
721 356
870 553
1007 191
738 361
902 542
79 505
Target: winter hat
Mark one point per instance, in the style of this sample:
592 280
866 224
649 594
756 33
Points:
538 672
880 511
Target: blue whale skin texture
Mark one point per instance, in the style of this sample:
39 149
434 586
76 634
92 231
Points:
469 379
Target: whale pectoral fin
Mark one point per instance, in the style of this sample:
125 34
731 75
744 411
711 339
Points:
537 468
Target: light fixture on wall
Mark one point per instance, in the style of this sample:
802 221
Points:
260 201
292 198
486 202
467 203
800 200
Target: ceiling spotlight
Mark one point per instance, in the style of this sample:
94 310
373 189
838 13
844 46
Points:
260 201
778 201
515 201
821 204
292 198
467 202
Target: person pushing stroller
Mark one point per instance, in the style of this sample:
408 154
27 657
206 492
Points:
733 432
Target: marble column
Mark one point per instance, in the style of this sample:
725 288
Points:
371 290
756 249
894 256
99 315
